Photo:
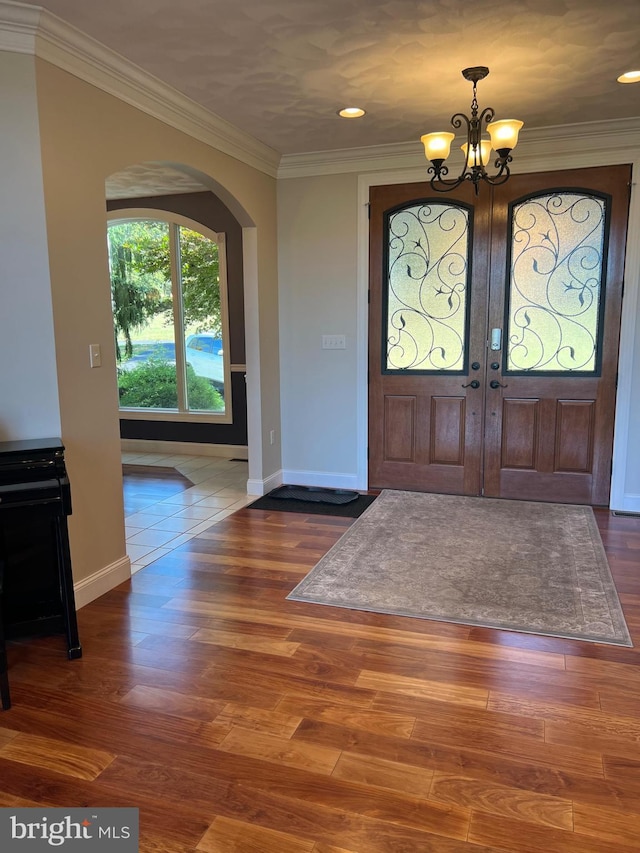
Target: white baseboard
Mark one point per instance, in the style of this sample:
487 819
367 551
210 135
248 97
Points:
629 503
263 487
102 581
144 445
324 479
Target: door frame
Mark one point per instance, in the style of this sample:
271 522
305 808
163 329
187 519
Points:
630 306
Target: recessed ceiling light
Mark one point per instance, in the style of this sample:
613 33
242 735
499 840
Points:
351 112
629 77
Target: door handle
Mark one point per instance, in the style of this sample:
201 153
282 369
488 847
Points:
473 384
495 384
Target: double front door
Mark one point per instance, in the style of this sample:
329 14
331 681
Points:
493 339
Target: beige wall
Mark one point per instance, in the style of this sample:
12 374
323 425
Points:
86 135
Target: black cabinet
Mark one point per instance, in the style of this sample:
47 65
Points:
36 582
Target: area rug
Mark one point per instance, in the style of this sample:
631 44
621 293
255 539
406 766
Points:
537 568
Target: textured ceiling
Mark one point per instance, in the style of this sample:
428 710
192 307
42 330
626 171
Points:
150 179
279 69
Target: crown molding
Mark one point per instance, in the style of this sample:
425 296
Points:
18 27
558 147
370 158
31 29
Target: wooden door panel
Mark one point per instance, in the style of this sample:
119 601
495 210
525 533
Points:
545 486
447 430
423 443
551 435
400 414
520 427
574 436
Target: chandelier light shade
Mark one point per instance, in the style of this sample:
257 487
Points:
477 156
437 145
477 151
504 134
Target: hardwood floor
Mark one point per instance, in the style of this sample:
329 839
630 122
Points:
239 722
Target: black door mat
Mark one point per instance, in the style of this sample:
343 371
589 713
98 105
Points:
314 502
315 493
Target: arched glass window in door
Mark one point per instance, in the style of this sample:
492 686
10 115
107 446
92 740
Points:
169 300
556 283
426 304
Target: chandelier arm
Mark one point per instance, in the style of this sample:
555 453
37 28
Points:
503 173
487 115
496 180
444 186
458 119
438 182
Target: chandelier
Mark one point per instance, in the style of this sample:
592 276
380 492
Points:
477 151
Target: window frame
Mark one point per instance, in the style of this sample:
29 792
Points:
174 221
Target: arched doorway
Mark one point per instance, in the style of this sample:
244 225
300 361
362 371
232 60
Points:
175 190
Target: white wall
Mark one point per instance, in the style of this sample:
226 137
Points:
626 469
317 263
632 471
28 379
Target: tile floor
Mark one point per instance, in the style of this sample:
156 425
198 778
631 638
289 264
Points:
155 528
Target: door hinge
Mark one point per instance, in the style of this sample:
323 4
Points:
368 211
367 454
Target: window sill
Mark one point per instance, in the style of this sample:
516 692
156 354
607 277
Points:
176 417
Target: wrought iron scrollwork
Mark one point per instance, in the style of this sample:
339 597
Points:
556 283
428 247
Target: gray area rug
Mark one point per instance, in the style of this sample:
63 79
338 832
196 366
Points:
518 565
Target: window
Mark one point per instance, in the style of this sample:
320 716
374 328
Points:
169 300
556 283
426 308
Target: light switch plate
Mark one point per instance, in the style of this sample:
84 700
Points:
95 355
334 342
